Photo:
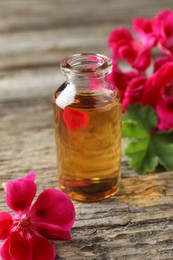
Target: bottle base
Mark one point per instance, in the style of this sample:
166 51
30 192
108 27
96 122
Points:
87 191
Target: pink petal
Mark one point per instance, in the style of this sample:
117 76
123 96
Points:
159 62
128 52
30 176
156 84
133 92
118 38
42 249
5 224
144 28
121 79
142 60
75 119
20 193
4 251
19 247
163 27
53 231
124 46
55 208
165 113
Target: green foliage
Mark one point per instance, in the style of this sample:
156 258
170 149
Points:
147 148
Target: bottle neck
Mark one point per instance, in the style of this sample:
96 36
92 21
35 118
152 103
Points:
88 83
86 71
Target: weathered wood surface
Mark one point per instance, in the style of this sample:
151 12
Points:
135 224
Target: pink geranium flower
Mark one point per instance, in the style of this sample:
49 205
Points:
24 233
165 109
163 28
156 84
134 91
124 46
161 61
121 79
165 114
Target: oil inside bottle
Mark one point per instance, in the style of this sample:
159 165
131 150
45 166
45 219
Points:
88 141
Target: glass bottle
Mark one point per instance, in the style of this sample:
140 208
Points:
87 116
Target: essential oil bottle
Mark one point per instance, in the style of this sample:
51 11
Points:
87 116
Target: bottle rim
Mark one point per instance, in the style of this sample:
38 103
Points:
86 63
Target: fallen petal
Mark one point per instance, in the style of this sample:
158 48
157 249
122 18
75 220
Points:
19 247
55 208
42 249
4 251
53 231
20 193
5 224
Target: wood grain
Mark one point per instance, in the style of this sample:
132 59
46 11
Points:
35 35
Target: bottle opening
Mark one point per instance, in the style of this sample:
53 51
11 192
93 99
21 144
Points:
86 63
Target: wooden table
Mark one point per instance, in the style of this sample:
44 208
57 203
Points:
35 35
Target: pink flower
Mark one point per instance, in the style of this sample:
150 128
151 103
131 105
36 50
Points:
165 114
121 79
158 92
163 27
124 46
161 61
137 86
156 84
134 92
24 234
144 28
165 109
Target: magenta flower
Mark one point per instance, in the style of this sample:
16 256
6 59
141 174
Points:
165 114
121 79
156 85
163 27
146 88
124 46
24 233
134 91
161 61
165 109
145 30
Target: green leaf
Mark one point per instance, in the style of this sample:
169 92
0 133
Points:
163 145
144 116
132 129
147 149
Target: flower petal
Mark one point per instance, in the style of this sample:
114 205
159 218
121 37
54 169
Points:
4 251
20 193
74 119
5 224
163 27
144 28
156 84
142 60
55 208
19 247
53 231
165 114
42 249
133 92
160 61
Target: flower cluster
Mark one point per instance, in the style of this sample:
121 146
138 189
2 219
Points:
135 85
24 233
